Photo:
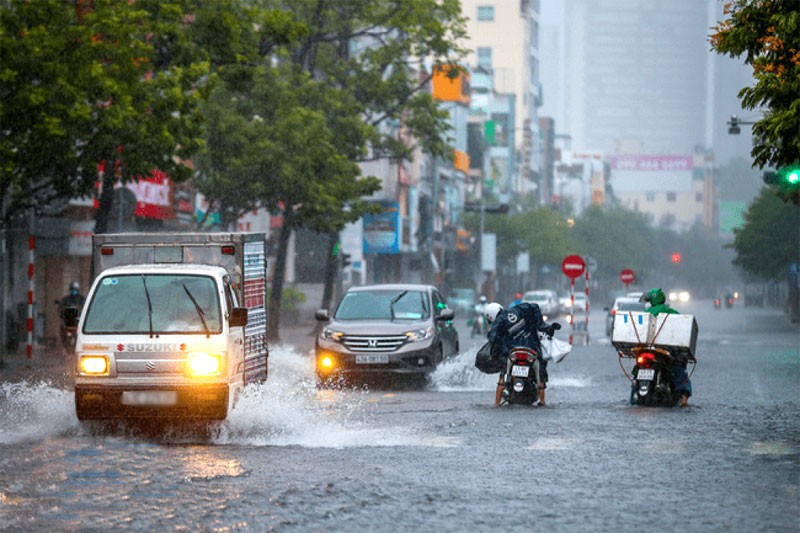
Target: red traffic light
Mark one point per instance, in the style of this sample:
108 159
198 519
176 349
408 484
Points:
676 257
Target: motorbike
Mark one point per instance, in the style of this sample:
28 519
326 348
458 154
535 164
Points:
478 325
69 326
652 384
522 377
729 301
717 302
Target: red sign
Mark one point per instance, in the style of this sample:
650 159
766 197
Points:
627 276
573 266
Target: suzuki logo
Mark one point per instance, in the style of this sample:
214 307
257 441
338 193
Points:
372 343
150 366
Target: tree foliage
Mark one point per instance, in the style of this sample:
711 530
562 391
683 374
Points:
616 238
769 241
767 33
81 86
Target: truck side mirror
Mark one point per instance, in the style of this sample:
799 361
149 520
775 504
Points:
70 315
238 317
322 315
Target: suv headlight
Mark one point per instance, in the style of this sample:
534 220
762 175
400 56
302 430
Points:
420 334
330 334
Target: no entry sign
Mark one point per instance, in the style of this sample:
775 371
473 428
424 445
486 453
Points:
573 266
627 276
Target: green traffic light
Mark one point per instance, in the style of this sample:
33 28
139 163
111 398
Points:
793 176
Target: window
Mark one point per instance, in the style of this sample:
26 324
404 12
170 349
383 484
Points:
698 197
651 197
671 196
486 13
484 57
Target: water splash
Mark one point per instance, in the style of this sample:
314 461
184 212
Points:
460 374
34 411
289 410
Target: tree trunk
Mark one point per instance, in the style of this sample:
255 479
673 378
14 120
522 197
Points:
106 200
274 312
331 270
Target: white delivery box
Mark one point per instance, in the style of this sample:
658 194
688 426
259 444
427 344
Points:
674 333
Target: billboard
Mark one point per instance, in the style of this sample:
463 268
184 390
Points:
382 230
651 173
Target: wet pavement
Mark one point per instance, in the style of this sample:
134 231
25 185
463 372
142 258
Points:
292 457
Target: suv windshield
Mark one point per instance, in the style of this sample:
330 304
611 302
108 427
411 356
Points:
179 303
384 305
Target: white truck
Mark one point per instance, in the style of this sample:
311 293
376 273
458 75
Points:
174 325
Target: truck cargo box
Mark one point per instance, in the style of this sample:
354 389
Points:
243 255
674 333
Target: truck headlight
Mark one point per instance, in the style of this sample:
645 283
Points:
203 364
94 365
420 334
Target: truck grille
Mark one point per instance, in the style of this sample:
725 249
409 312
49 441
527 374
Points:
373 343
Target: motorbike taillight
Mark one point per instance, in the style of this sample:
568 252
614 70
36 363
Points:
521 357
645 359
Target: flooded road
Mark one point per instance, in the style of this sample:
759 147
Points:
295 458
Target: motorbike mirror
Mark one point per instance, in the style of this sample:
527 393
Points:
446 314
238 317
70 316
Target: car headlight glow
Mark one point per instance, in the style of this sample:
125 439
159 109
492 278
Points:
326 362
203 364
94 365
683 296
332 335
420 334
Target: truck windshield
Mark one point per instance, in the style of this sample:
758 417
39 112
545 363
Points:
120 305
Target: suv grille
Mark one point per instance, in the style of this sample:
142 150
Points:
373 343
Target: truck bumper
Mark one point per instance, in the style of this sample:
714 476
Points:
196 402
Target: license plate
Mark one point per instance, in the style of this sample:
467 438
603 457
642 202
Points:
372 359
150 397
646 374
520 371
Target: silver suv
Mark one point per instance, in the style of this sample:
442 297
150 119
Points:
405 329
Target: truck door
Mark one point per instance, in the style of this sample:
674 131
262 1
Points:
236 338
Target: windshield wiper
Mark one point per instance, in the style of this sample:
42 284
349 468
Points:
199 309
149 305
394 301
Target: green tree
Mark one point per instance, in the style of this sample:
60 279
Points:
331 96
616 238
767 32
81 86
769 241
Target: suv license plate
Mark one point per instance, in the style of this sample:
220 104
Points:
645 374
150 397
373 359
520 371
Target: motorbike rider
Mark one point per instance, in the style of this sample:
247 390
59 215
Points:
518 326
73 299
680 378
478 317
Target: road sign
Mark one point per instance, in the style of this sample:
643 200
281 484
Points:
627 276
573 266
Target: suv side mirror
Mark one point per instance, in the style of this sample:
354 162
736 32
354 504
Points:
70 316
446 314
238 317
322 315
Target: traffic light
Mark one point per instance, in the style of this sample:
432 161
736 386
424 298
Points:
787 178
346 260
